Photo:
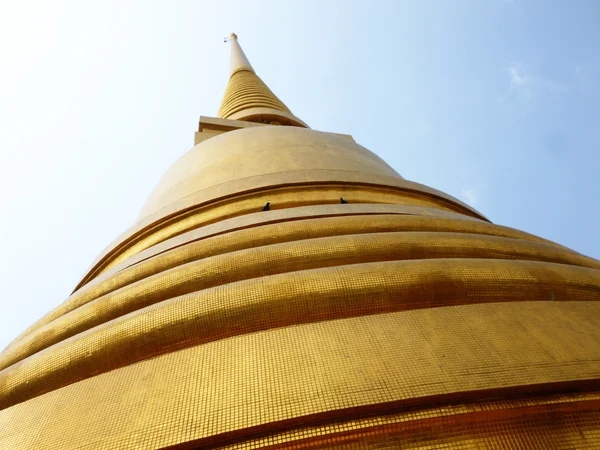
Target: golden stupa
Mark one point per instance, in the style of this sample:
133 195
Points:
286 288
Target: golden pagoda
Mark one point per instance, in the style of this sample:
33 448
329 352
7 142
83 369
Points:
286 288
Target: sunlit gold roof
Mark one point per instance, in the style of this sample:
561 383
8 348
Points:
259 152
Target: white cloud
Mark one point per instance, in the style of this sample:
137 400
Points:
526 84
517 78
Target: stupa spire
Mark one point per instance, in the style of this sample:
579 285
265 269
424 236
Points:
239 61
287 288
248 98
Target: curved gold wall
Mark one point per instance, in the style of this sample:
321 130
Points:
260 151
403 318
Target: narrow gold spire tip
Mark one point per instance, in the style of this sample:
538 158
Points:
248 98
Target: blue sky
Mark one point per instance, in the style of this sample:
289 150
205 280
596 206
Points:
494 102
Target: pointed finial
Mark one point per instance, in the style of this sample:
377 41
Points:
247 97
238 58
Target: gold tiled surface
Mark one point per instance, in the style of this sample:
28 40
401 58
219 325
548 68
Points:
278 226
551 427
188 249
304 254
317 221
331 220
283 300
255 158
163 214
250 203
252 218
245 162
570 421
295 373
258 154
158 210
